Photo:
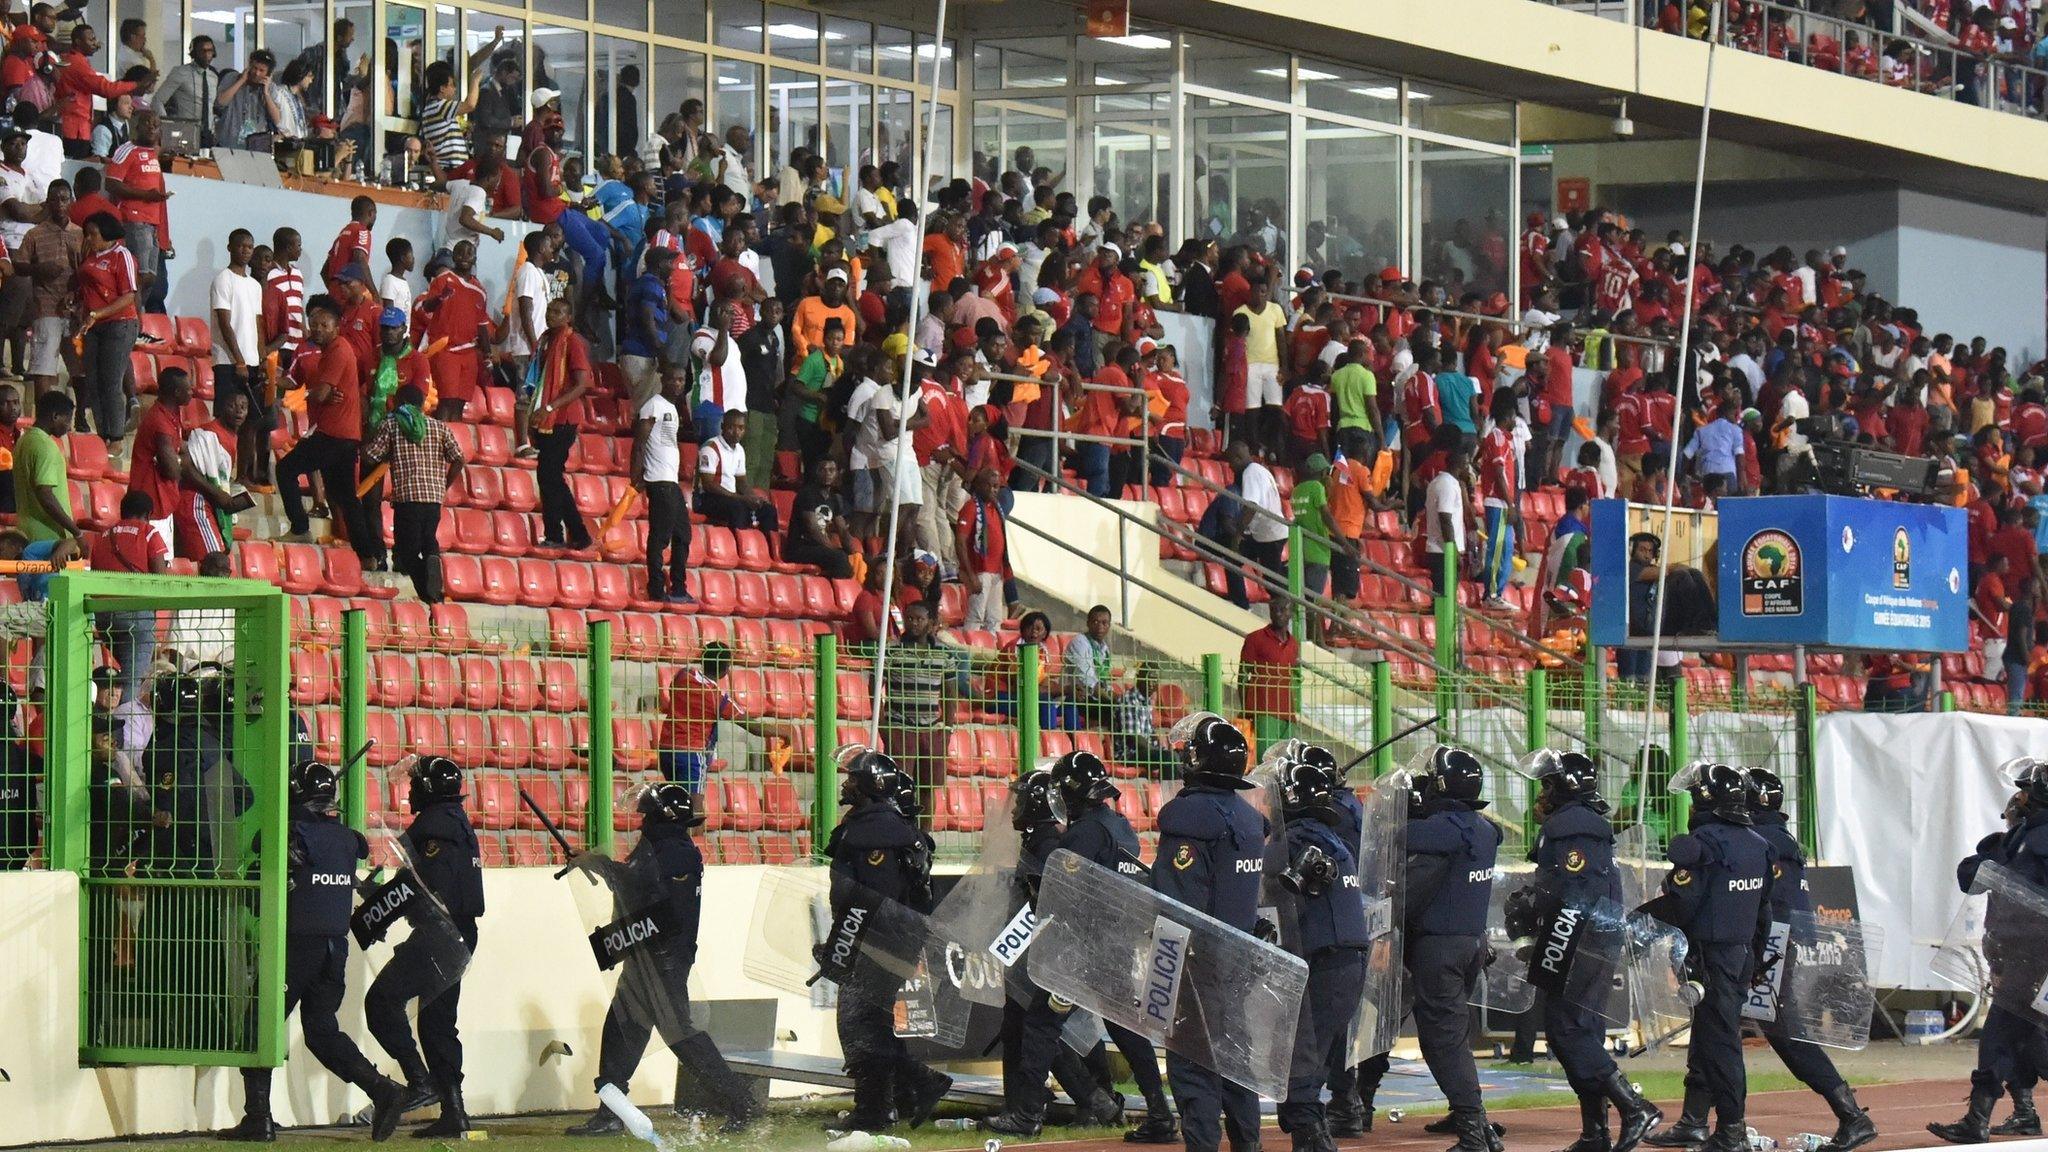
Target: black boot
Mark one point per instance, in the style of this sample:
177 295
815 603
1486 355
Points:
2024 1121
1691 1128
255 1127
1474 1134
928 1088
1158 1127
1345 1117
699 1053
420 1091
874 1097
1729 1136
387 1107
1443 1126
1014 1122
601 1123
1639 1118
1308 1139
1103 1109
453 1121
1592 1124
1853 1125
1974 1127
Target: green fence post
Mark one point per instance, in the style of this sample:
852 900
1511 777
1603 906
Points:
1536 694
355 715
1946 702
1382 716
599 821
1212 682
1295 578
825 744
1591 700
1809 785
1027 708
1447 640
1681 755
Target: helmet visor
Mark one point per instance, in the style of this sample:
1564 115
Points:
1280 755
1538 764
2017 772
1184 729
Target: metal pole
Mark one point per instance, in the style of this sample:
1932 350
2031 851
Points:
1382 717
1681 754
355 715
1446 604
824 742
1029 744
1538 732
1681 376
1809 784
1296 580
1212 682
598 824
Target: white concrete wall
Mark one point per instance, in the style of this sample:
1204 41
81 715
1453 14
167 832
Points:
532 982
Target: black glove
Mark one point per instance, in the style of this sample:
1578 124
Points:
1266 930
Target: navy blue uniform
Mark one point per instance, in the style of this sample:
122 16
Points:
877 855
1719 892
1452 850
1031 1020
444 852
1574 858
322 854
1332 938
1789 894
1212 847
2011 1049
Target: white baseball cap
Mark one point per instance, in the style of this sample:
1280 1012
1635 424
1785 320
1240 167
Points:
835 274
542 97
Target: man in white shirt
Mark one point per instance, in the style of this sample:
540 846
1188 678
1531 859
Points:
657 472
1031 258
1443 514
1745 362
867 205
722 383
525 319
724 494
236 301
875 410
395 289
732 163
469 204
1261 527
899 241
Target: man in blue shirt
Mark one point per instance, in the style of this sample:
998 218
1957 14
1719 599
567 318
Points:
1457 394
35 587
1716 450
643 346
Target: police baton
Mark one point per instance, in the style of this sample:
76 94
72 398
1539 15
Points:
1403 734
353 760
568 853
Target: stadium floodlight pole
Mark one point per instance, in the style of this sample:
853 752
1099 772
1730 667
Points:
921 164
1679 374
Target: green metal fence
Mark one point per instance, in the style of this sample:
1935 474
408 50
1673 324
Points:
172 811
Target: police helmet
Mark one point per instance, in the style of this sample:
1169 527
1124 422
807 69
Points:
1456 774
1563 775
434 780
1309 782
1418 786
1212 751
314 785
1718 788
870 776
2027 776
1082 779
1766 790
668 802
1032 798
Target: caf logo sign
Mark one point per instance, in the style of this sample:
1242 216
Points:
1902 559
1773 582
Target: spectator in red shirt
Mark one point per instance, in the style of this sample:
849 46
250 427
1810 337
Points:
135 180
980 536
1266 668
131 545
78 82
459 321
352 247
565 377
334 402
2014 540
107 296
1548 453
692 704
159 450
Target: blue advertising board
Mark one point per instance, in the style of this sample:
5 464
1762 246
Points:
1843 572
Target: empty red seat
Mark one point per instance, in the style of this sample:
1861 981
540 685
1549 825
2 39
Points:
593 498
195 336
749 641
519 687
439 685
511 533
967 804
820 603
611 588
426 734
537 588
720 549
312 677
494 801
389 748
572 583
855 701
521 493
632 744
462 577
785 596
717 595
483 488
566 631
326 729
547 793
411 628
749 693
391 682
751 590
511 740
472 531
469 741
787 697
345 571
742 805
679 638
500 580
561 687
87 456
553 746
638 634
781 808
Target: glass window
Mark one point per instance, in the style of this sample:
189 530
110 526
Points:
558 64
1238 68
896 58
348 49
947 78
793 34
1238 159
1461 202
621 103
567 9
1131 142
674 14
892 52
739 84
289 31
792 113
405 63
1455 112
1350 200
1019 134
849 127
894 111
480 33
447 23
233 28
943 159
849 44
739 24
678 77
1035 62
1143 57
1350 91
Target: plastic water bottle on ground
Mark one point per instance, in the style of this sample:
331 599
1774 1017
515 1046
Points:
957 1123
1758 1142
1806 1142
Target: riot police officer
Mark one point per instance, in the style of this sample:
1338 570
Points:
1574 858
1211 857
878 854
1032 1018
1364 1083
2010 1047
441 848
1789 894
1321 874
323 853
1452 850
672 868
1718 893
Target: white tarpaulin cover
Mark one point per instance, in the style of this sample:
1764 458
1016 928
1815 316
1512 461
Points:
1902 800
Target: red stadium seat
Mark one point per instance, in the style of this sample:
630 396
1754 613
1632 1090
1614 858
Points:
411 628
511 741
469 741
553 747
537 588
787 697
462 577
749 641
159 333
391 682
717 596
561 687
472 531
785 596
855 701
426 734
326 729
720 549
257 560
593 498
500 406
567 633
632 744
612 588
575 802
752 593
742 804
637 637
345 570
521 493
87 456
389 748
820 601
483 488
519 687
844 593
679 638
749 694
572 584
494 801
439 685
781 808
195 336
313 680
547 793
493 446
963 757
754 553
302 572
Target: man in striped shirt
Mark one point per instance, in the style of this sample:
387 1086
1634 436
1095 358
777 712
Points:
915 704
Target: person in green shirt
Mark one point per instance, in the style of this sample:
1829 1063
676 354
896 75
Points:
42 484
1354 389
814 376
1312 515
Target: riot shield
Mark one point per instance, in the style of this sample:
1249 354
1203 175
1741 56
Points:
1661 990
428 942
978 932
1641 866
2015 941
1574 953
1382 869
636 930
1814 982
1217 996
1959 960
1277 906
792 917
1503 985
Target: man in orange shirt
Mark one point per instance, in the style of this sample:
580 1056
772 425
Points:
1358 480
1100 413
807 323
945 251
